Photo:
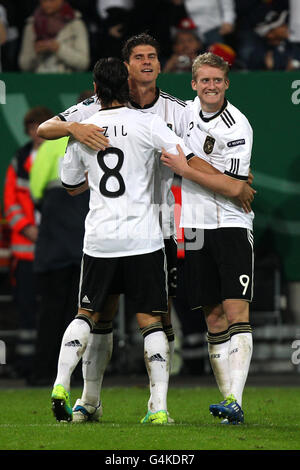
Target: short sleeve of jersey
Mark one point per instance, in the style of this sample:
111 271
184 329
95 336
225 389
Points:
81 111
163 137
182 121
238 148
72 171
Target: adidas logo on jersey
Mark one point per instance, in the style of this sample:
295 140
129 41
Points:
157 357
86 300
75 343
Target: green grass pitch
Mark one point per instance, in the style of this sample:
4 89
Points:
272 422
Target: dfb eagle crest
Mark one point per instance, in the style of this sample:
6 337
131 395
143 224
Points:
209 144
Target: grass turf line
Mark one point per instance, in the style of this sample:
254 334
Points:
272 422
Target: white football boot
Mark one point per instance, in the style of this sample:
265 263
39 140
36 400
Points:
83 412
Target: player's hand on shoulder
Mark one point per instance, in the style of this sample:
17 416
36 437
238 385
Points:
90 135
177 163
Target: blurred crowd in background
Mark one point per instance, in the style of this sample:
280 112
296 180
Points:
57 36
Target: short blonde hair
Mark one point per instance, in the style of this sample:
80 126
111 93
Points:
213 60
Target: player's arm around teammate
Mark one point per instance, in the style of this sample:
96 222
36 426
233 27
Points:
199 171
88 134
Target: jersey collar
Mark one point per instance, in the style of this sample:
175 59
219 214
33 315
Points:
215 115
136 105
114 107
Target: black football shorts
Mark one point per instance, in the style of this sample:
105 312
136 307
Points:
142 278
221 269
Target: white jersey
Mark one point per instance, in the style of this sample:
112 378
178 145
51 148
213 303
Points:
224 141
123 219
172 111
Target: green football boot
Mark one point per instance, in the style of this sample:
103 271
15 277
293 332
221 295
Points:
61 405
160 417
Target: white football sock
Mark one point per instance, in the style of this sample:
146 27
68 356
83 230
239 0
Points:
240 353
171 354
156 352
73 345
94 362
219 360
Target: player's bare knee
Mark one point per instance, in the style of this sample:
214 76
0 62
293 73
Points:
215 318
151 328
236 311
145 319
88 314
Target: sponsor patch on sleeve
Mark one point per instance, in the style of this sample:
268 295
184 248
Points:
88 101
234 143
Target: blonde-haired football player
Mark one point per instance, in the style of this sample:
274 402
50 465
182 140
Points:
219 275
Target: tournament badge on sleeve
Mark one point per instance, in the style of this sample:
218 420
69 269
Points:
208 144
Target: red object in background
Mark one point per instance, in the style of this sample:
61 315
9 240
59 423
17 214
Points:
223 50
5 251
176 190
18 204
186 23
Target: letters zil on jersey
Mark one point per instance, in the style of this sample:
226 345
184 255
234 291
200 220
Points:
114 130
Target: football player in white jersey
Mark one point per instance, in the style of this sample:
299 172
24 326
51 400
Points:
219 274
123 243
141 57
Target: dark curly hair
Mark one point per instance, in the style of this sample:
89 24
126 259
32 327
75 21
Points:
111 79
142 39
